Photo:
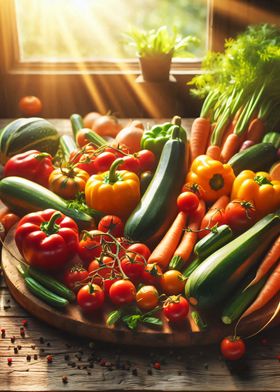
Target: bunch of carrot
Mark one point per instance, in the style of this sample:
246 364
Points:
242 94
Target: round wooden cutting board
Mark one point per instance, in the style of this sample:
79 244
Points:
74 321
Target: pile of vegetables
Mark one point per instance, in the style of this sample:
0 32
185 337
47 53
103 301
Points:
147 223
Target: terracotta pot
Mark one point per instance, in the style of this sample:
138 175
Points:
156 68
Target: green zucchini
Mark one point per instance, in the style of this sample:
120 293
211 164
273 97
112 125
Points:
157 207
44 294
221 272
51 283
76 124
241 301
191 267
68 145
273 138
213 241
26 134
258 157
23 196
95 139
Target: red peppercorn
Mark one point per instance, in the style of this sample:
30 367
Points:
22 332
156 365
3 332
24 323
49 358
9 360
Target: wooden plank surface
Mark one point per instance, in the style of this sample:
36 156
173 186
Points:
93 366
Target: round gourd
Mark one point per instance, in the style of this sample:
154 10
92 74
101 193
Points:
26 134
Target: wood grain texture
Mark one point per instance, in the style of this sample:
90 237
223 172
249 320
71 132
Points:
94 326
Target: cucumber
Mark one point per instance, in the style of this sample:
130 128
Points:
93 137
44 294
213 241
157 207
259 157
25 134
50 283
68 145
273 138
222 271
23 196
76 124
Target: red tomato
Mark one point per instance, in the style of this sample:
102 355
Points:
217 218
101 269
133 266
30 105
147 160
122 292
195 188
147 298
107 283
152 274
240 215
172 282
141 249
84 158
120 150
8 220
103 161
90 297
176 308
75 277
111 224
124 244
90 248
187 202
232 348
130 163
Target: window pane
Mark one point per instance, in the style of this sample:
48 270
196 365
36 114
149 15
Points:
92 29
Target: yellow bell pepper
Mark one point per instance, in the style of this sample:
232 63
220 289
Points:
213 176
113 192
258 188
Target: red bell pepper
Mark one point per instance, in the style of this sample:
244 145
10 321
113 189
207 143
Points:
33 165
47 239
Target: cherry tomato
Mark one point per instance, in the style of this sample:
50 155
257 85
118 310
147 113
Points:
133 265
240 215
172 282
111 224
152 274
195 188
176 308
100 269
75 277
232 348
90 248
130 163
103 161
90 297
8 220
124 244
187 202
147 298
122 292
30 105
147 160
141 249
84 158
107 283
217 217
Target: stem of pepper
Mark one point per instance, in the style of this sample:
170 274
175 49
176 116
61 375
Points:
51 227
112 171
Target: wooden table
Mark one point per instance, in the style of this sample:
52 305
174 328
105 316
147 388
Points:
81 365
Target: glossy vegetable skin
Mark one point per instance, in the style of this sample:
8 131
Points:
213 176
157 208
68 182
221 272
47 239
213 241
32 164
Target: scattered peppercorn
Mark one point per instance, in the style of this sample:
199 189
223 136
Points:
15 350
41 339
48 344
24 323
134 372
13 339
35 357
10 361
66 357
49 358
19 347
156 365
149 372
65 379
28 357
33 346
22 332
3 333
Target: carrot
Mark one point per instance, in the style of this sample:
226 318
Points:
185 248
208 218
270 259
270 289
163 252
256 130
230 147
231 126
200 131
214 152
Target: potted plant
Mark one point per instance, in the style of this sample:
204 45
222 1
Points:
156 48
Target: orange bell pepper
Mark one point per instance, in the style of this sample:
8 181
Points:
113 192
213 176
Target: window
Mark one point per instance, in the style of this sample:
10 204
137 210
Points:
93 29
